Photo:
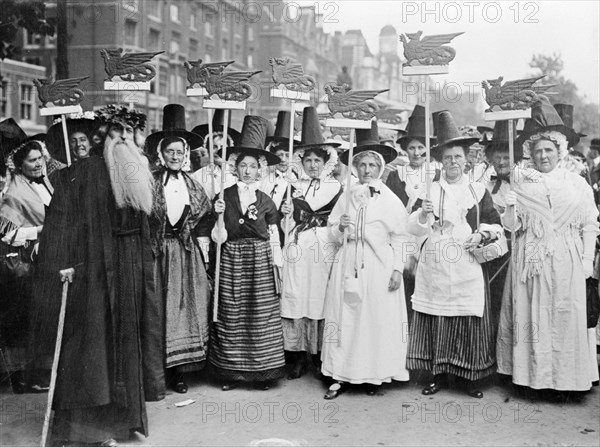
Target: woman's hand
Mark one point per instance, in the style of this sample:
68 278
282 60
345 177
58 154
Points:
510 198
395 281
345 222
473 241
426 210
220 206
287 208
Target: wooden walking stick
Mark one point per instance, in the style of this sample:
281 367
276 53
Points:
57 346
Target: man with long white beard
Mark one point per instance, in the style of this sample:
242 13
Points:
97 238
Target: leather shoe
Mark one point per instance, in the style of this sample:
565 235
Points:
109 443
229 386
372 390
334 391
475 393
432 388
297 371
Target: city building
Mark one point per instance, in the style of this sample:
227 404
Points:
18 96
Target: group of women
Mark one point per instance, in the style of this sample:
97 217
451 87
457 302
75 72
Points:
358 251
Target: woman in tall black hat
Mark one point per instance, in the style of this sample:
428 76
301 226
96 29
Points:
409 182
247 340
314 195
553 210
210 176
368 319
274 184
451 330
180 273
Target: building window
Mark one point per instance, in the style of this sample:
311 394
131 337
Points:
172 83
208 28
3 98
33 60
238 50
174 12
163 82
154 40
250 61
130 33
26 102
193 52
193 20
250 33
207 57
224 49
175 43
155 8
32 39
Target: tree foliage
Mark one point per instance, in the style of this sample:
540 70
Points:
586 115
15 14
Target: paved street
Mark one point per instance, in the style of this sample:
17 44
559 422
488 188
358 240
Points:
296 412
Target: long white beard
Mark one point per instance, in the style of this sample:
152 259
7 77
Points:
130 176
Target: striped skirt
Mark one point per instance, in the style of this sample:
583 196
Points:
463 346
247 341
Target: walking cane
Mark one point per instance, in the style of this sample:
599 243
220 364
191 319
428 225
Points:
59 335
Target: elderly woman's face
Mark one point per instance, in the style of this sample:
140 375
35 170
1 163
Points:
33 165
313 165
174 154
544 155
453 162
368 169
247 169
416 153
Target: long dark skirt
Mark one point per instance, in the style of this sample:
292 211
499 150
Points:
303 334
185 289
247 341
463 346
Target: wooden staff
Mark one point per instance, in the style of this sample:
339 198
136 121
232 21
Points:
66 138
342 279
288 218
428 177
59 336
211 152
221 222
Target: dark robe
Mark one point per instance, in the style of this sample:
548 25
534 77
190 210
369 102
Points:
107 327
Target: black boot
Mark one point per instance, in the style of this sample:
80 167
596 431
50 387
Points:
298 365
436 385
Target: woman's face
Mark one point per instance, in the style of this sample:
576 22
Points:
500 160
545 155
453 162
247 169
283 154
368 169
79 144
313 165
174 154
33 165
416 153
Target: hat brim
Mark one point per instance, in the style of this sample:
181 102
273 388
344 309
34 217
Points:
572 136
271 158
492 146
458 141
388 153
194 140
278 139
202 130
406 139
